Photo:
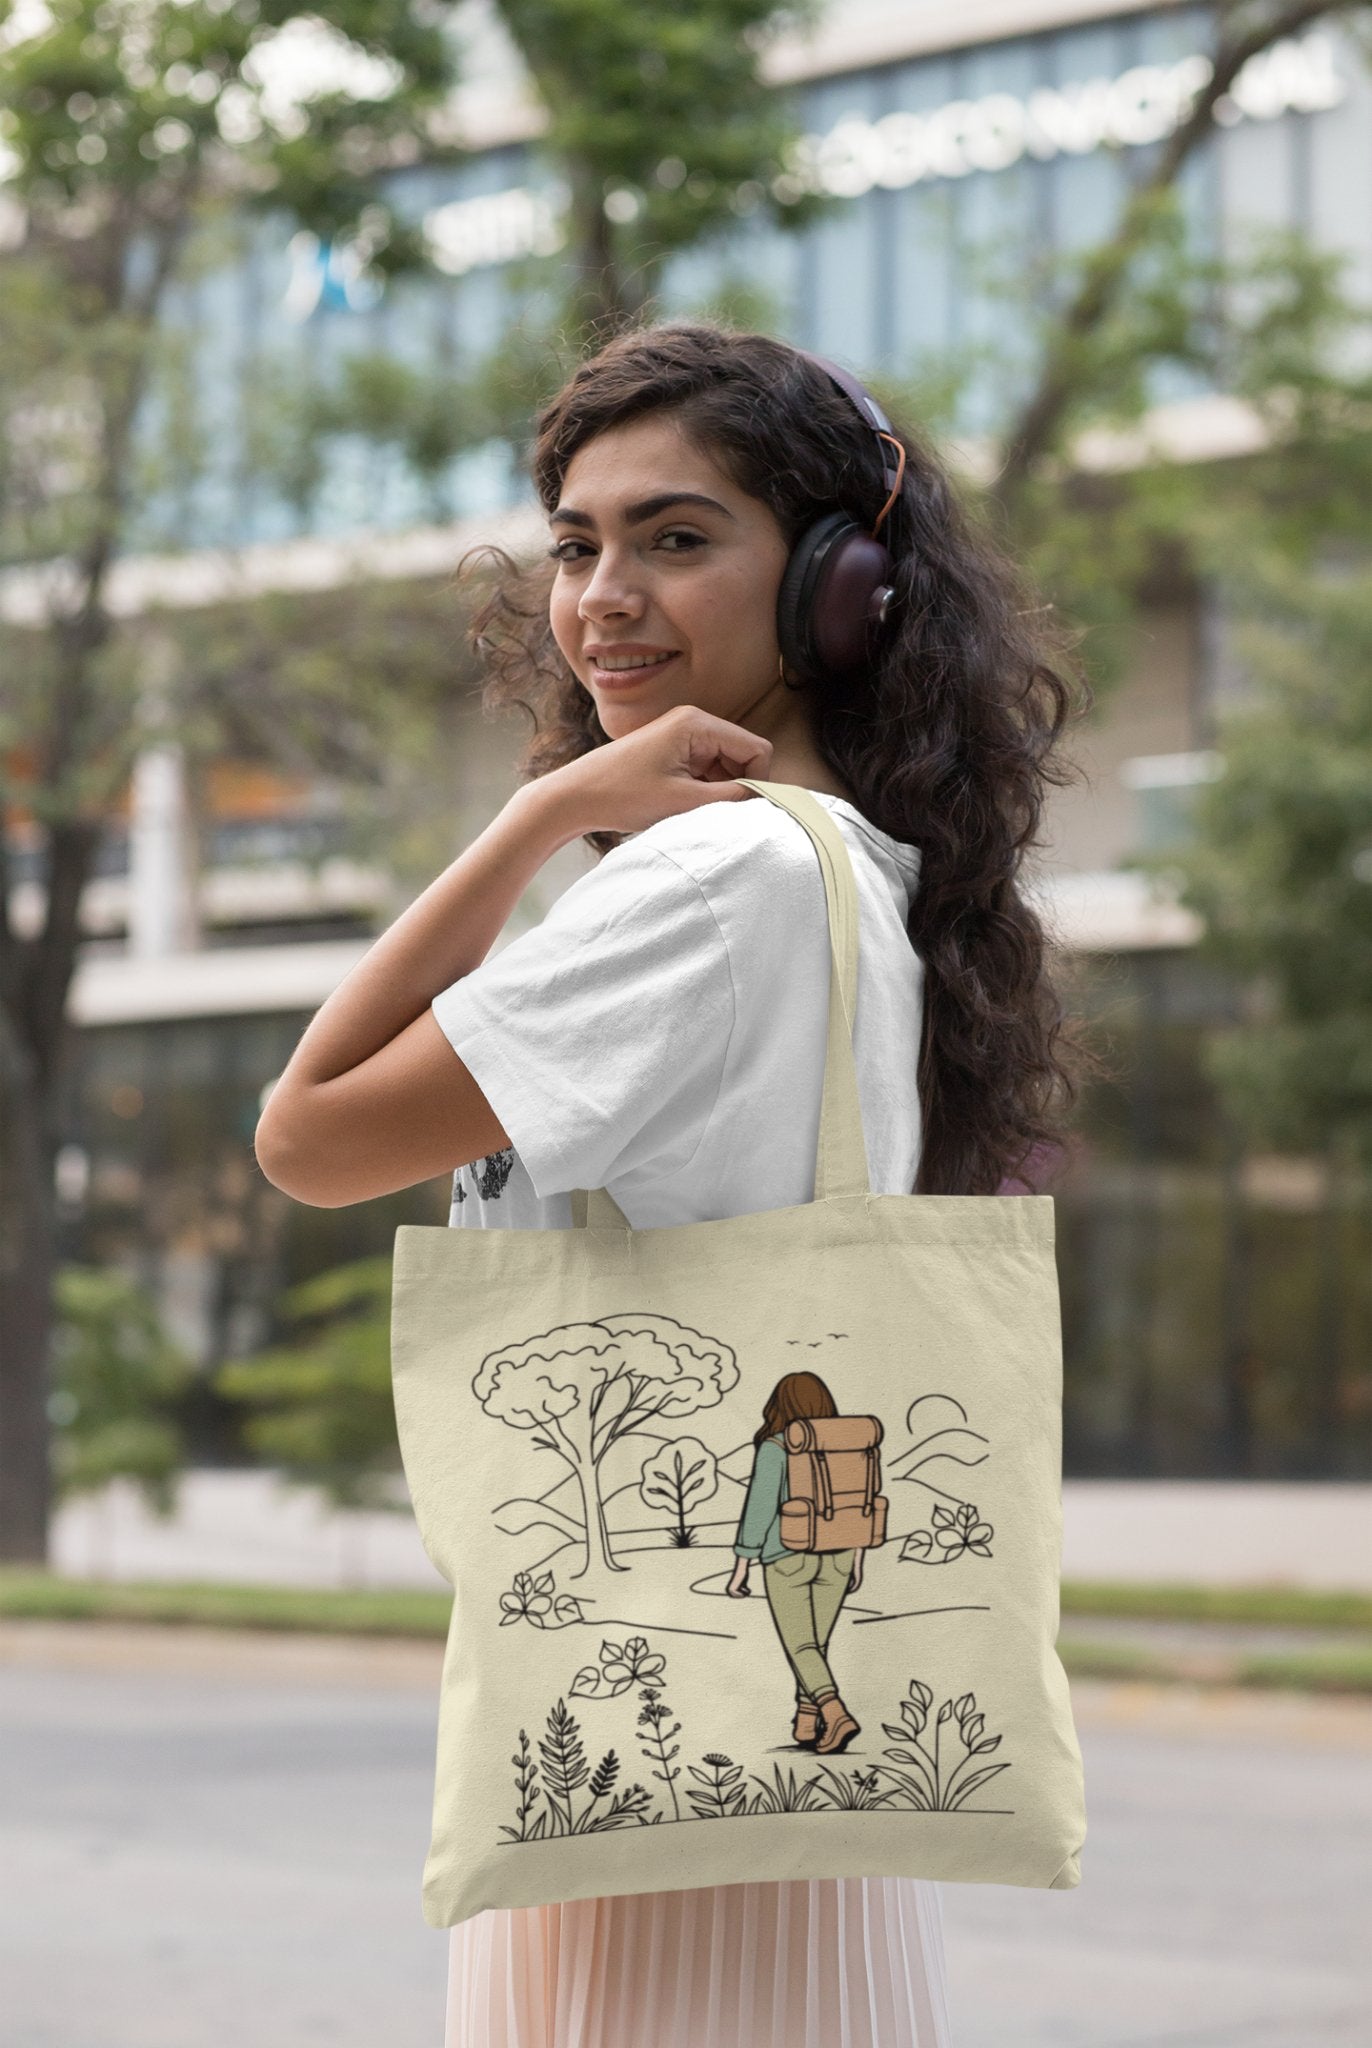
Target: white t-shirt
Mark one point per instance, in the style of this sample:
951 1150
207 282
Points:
661 1033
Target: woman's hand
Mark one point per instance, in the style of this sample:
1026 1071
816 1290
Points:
681 759
856 1579
737 1587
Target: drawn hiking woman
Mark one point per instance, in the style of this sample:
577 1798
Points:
805 1588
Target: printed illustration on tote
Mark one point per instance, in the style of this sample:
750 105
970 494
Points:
798 1504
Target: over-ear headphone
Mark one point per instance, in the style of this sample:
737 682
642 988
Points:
836 590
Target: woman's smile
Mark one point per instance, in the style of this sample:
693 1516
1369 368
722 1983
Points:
623 668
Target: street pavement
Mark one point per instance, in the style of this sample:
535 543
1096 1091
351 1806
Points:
209 1838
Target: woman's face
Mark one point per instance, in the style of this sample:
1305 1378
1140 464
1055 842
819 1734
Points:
667 579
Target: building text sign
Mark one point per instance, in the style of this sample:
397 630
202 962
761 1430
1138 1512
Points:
857 155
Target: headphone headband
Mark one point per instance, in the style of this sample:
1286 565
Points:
892 454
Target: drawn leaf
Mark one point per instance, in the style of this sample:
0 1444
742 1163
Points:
977 1778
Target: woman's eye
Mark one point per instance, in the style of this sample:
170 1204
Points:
559 548
686 540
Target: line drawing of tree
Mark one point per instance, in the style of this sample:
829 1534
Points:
681 1475
581 1388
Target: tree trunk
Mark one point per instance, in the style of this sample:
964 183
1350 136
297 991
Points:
605 298
1237 1362
35 1041
27 1263
1327 1434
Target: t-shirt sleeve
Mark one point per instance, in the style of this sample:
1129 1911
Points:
600 1037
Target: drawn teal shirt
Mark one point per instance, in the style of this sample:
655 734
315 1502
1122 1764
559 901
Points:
759 1529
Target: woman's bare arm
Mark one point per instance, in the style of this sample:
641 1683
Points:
374 1098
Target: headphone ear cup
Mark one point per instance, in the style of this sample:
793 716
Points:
800 586
830 599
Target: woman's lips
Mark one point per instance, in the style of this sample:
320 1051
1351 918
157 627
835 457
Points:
628 678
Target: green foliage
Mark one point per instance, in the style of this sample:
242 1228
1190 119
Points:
1279 865
321 1406
1106 517
663 127
117 1382
1277 856
137 135
122 113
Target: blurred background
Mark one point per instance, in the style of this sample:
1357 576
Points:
279 295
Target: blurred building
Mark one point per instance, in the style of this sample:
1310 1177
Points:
955 137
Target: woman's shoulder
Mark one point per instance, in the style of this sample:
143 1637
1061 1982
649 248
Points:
730 840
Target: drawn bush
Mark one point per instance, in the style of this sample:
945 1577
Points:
931 1786
621 1665
955 1531
537 1600
565 1771
723 1795
681 1475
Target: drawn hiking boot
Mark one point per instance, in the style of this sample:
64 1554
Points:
837 1726
806 1725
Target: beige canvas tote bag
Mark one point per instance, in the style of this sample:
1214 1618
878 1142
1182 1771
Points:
583 1420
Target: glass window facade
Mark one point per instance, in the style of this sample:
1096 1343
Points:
959 166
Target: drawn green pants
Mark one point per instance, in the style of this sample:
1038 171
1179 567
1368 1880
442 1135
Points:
805 1590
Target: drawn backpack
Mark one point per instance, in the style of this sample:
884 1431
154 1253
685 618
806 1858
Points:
833 1481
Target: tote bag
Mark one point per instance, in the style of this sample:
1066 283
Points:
577 1412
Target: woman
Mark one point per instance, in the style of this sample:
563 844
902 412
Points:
662 1032
805 1588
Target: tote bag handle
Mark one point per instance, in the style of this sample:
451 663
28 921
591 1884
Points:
841 1166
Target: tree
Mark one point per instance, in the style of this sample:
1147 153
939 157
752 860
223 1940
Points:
1070 363
1278 864
128 126
581 1388
662 130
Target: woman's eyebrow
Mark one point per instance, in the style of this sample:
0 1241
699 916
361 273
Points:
647 508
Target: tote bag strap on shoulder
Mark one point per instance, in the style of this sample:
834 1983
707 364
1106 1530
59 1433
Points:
841 1154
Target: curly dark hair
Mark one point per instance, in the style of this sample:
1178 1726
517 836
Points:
947 741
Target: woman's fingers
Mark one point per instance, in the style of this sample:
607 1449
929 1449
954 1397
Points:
681 759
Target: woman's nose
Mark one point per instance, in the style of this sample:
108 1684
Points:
611 591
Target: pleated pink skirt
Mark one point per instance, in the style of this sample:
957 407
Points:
851 1962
